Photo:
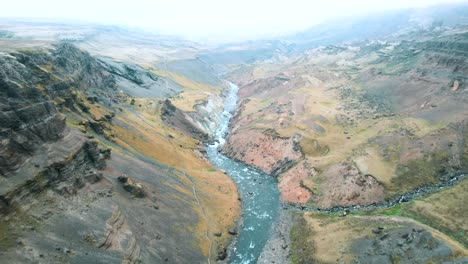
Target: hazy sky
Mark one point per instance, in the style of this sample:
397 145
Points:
205 18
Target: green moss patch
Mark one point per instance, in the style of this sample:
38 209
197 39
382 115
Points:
420 172
302 246
311 147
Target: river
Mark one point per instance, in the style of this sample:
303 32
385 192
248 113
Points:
258 191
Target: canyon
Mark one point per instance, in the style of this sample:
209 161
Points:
89 163
339 144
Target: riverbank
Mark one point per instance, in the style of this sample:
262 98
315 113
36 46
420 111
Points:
277 248
258 192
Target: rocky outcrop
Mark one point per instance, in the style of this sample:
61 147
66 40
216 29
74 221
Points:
131 186
200 122
271 87
403 245
291 186
318 238
24 129
28 118
85 71
179 120
118 236
139 82
28 83
343 184
265 150
207 114
54 173
37 151
64 166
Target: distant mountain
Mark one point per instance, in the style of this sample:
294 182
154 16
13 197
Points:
111 41
380 26
406 23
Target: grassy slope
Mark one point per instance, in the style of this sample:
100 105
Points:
401 152
444 211
138 128
320 97
325 238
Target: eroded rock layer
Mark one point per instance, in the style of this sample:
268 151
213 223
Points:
97 166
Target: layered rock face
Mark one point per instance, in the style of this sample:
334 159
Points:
34 134
59 107
28 118
182 121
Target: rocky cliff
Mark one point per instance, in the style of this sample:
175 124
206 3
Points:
63 112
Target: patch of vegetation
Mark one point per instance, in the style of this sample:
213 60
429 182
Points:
392 211
382 99
464 159
420 172
302 248
31 51
10 229
444 211
311 147
271 132
7 239
418 215
331 217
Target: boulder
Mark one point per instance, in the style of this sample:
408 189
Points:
131 186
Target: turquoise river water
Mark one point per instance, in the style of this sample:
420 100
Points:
258 191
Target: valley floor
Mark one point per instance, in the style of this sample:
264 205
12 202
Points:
359 148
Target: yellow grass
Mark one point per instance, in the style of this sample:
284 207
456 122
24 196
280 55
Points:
445 211
188 99
333 236
144 132
189 84
373 163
